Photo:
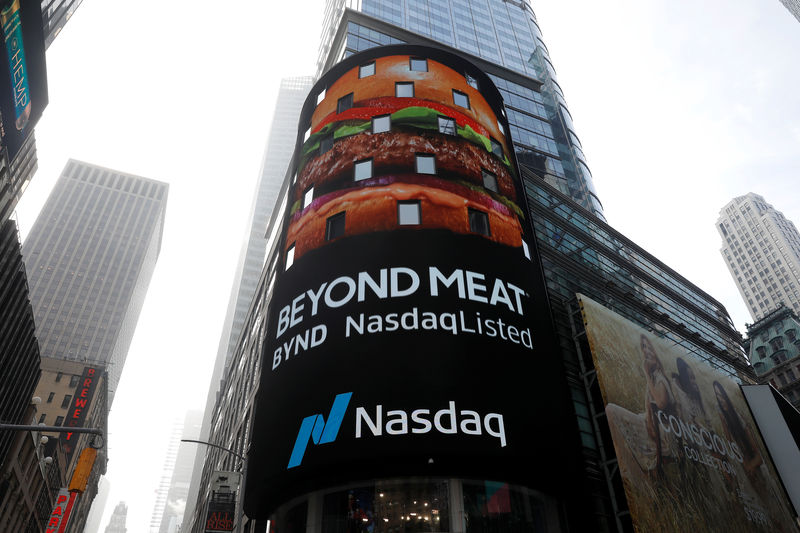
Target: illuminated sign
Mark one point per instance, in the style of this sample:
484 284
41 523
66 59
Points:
78 409
688 450
23 74
409 331
59 517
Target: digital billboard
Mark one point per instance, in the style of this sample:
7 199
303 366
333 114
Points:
23 73
409 331
689 452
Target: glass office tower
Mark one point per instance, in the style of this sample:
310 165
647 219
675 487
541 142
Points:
504 40
579 253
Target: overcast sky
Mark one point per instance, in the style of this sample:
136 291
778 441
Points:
680 106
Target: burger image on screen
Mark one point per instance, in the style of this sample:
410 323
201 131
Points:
403 149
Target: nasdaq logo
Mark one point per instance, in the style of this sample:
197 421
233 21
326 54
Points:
314 428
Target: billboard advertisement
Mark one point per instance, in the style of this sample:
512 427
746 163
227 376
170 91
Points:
409 331
79 408
689 452
23 73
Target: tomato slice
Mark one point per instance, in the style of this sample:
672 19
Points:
383 105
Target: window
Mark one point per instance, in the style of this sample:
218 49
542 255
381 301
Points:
50 397
344 103
59 420
419 65
489 180
460 99
308 197
366 70
472 82
404 89
381 124
426 164
479 222
66 400
290 256
497 148
362 170
526 250
59 376
321 96
41 418
325 144
73 380
334 226
409 213
447 126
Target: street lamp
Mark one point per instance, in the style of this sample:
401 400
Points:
242 468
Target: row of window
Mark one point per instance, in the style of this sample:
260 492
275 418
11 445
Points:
383 124
409 213
58 422
424 164
402 89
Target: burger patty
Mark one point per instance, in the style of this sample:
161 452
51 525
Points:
394 151
373 209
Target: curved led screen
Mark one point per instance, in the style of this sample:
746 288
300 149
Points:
409 331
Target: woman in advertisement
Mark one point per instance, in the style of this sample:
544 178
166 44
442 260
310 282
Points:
646 448
739 435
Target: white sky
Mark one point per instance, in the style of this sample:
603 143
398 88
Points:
680 106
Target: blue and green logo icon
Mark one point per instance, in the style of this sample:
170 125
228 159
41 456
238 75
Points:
316 429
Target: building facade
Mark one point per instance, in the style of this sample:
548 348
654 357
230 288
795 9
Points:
501 38
91 254
68 399
793 6
116 524
761 249
278 152
19 349
177 473
578 253
55 14
774 347
31 475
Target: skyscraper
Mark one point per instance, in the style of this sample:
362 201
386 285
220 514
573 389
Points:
761 248
504 40
177 472
55 14
578 251
277 154
90 256
116 524
793 6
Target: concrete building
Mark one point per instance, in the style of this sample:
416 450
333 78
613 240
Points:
173 488
90 255
761 249
774 347
793 6
55 14
34 470
116 524
67 398
278 152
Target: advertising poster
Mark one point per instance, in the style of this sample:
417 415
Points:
689 452
23 74
409 331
